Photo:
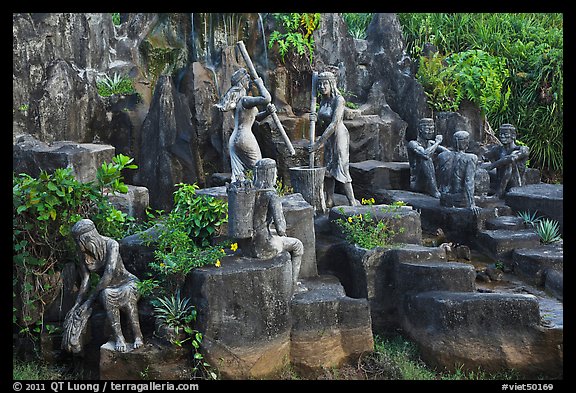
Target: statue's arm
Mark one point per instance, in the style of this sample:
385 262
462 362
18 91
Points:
263 99
85 282
278 214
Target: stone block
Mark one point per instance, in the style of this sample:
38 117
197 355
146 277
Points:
154 360
244 313
500 243
533 264
371 175
404 221
31 156
546 199
435 276
328 328
493 331
133 203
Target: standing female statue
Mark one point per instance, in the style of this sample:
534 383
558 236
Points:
335 137
243 146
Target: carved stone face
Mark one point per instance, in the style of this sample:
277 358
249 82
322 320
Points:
324 86
427 131
505 137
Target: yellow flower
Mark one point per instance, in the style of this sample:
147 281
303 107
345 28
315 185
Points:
222 251
349 219
372 200
364 201
234 246
217 264
162 264
360 217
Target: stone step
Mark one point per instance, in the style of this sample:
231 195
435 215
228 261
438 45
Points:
534 265
435 276
328 327
505 222
477 327
499 243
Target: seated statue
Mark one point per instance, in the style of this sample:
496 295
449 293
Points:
266 242
422 153
457 173
116 289
509 160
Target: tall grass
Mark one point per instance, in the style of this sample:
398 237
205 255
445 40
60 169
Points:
532 44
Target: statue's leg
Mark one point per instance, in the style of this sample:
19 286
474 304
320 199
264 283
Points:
504 176
296 249
329 184
113 313
132 311
350 194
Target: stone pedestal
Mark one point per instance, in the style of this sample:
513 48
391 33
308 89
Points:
154 360
243 311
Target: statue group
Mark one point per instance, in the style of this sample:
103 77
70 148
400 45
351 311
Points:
256 218
450 174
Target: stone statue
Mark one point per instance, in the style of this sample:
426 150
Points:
457 172
116 289
509 160
267 242
243 146
422 153
335 138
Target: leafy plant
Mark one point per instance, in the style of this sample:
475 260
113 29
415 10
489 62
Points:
357 23
44 210
548 230
532 46
367 231
440 86
202 216
297 35
116 18
109 176
179 314
118 84
174 311
183 239
529 218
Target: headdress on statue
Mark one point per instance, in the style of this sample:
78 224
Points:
327 75
426 121
238 75
508 127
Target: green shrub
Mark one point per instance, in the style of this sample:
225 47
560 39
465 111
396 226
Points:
43 211
117 85
297 34
367 231
531 46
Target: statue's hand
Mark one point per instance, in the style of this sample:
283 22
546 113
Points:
313 116
271 108
313 147
439 138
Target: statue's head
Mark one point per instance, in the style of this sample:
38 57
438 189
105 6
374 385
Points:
507 133
327 83
240 75
89 241
461 140
81 227
240 82
265 173
426 128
